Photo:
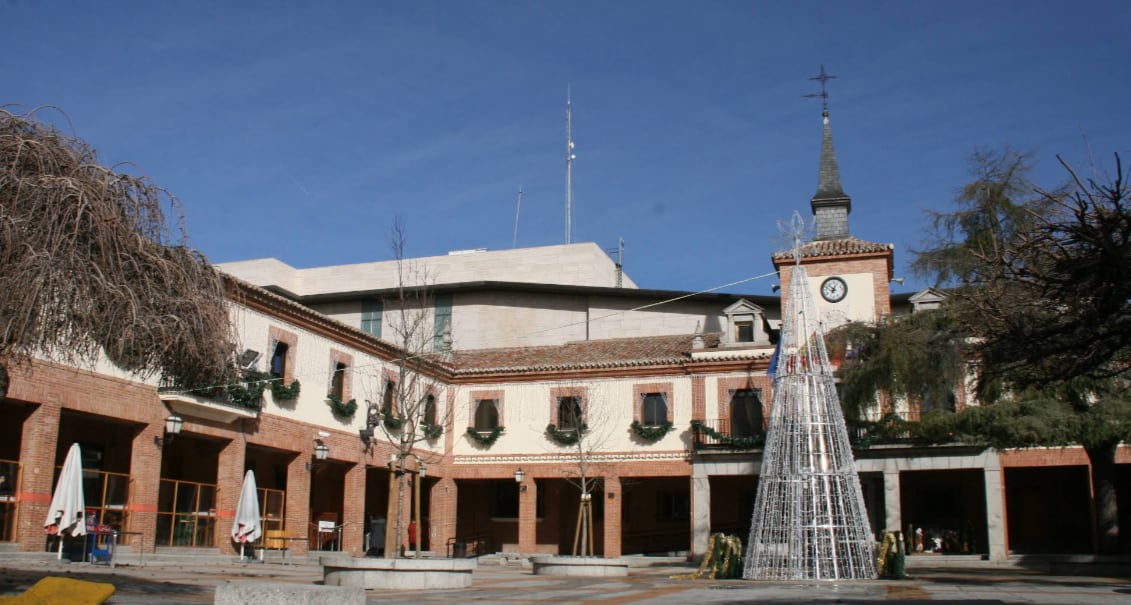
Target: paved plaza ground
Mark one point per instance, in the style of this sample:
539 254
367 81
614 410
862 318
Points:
169 583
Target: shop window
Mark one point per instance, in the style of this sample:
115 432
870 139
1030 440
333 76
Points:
654 409
486 414
673 506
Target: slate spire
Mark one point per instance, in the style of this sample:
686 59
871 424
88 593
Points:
831 204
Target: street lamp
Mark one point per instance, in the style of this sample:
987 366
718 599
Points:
173 426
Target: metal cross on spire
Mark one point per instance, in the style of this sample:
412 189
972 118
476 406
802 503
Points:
824 94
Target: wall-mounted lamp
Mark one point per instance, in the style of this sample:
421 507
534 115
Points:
173 426
321 452
366 436
775 287
519 477
898 280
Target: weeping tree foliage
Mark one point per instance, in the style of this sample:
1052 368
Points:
89 264
1039 285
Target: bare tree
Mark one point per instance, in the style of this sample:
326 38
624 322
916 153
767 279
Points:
582 428
408 405
89 265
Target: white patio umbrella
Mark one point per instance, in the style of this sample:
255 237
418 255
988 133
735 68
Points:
68 503
247 527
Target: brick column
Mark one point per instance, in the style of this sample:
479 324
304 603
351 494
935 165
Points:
613 497
442 515
38 445
297 523
528 517
229 480
145 473
353 510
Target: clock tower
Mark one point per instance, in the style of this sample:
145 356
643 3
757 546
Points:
849 276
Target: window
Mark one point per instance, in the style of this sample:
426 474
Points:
746 413
744 331
486 414
388 398
371 317
430 409
279 360
338 380
569 413
672 506
654 410
504 501
442 320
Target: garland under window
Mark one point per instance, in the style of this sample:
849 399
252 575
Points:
282 392
431 431
339 408
740 443
485 438
651 433
249 394
390 421
566 436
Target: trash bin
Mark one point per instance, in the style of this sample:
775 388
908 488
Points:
459 550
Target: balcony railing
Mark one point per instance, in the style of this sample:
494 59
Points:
719 434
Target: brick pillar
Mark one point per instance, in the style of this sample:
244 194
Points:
442 515
613 498
297 523
229 481
698 398
353 510
145 473
528 517
38 445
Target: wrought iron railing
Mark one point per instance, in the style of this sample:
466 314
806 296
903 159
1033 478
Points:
720 434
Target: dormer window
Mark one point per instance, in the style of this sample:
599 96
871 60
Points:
745 321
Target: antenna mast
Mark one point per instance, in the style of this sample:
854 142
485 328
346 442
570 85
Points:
569 169
517 210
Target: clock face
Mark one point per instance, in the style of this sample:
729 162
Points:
834 289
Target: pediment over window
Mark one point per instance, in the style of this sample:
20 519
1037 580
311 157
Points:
745 325
926 299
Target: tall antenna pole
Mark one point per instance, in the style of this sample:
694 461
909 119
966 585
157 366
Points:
569 169
517 210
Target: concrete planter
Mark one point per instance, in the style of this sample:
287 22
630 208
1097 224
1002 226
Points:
579 566
397 574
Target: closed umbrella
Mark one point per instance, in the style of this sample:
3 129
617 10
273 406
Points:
247 528
68 503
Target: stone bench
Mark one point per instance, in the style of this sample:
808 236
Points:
241 592
397 574
579 566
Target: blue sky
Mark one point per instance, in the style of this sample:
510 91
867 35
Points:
299 129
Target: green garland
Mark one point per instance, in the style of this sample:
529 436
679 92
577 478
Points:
390 421
284 393
567 436
339 408
250 394
651 433
738 443
431 431
486 438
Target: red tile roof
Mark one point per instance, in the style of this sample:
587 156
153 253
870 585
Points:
834 247
616 352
